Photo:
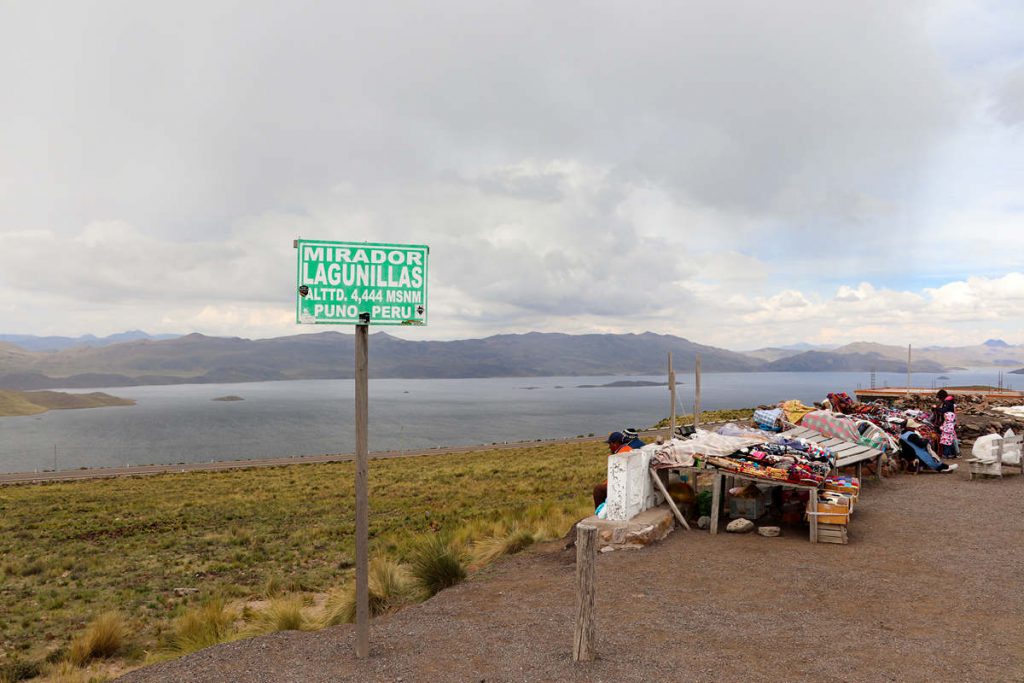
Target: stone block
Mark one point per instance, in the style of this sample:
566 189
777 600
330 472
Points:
630 490
740 526
649 526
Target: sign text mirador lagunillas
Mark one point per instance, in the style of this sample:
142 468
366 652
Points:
338 281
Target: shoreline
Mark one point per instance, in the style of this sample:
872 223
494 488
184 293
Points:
89 473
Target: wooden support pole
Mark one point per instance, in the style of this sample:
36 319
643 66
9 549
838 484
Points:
716 500
672 396
908 370
362 495
586 559
696 394
671 503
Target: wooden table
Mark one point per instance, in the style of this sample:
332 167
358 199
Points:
847 452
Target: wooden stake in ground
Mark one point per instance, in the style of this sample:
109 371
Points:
908 370
696 393
362 495
672 396
586 557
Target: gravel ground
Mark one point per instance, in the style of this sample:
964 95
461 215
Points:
928 589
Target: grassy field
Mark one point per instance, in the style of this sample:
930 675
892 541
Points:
100 575
152 548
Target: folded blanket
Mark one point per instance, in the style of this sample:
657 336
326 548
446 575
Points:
769 419
795 411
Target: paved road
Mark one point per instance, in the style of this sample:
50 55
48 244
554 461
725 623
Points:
139 470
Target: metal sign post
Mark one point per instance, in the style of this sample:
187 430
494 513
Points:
362 492
360 283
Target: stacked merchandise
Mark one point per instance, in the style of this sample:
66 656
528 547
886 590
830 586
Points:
833 506
846 485
891 421
792 461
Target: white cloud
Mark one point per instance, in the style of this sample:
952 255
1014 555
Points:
806 170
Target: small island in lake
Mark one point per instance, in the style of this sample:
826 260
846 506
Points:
232 397
17 403
623 383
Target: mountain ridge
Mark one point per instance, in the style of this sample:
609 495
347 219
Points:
199 358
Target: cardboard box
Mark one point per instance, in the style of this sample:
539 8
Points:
832 508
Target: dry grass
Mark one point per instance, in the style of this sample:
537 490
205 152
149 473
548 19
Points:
104 637
203 626
391 587
248 535
284 613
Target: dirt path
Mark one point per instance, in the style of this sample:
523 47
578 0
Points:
929 589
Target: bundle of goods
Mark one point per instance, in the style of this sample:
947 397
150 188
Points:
889 421
793 461
842 403
769 420
795 411
859 430
849 486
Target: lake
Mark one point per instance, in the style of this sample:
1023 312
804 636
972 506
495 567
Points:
182 423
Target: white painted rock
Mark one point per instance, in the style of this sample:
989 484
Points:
704 522
740 526
768 530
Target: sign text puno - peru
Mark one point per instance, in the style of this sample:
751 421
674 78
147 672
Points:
340 280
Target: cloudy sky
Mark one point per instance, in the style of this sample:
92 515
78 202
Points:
739 173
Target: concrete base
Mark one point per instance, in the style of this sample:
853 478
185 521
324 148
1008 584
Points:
650 526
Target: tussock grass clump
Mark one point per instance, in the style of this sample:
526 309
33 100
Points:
16 669
202 627
437 564
489 549
103 637
391 587
286 613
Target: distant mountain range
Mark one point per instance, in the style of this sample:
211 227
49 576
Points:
33 343
196 358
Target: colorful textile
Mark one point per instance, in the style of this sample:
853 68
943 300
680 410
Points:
948 436
770 420
795 411
784 460
832 425
842 403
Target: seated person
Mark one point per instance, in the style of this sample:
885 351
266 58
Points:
616 444
632 438
914 452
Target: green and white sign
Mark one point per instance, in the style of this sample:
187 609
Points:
338 281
